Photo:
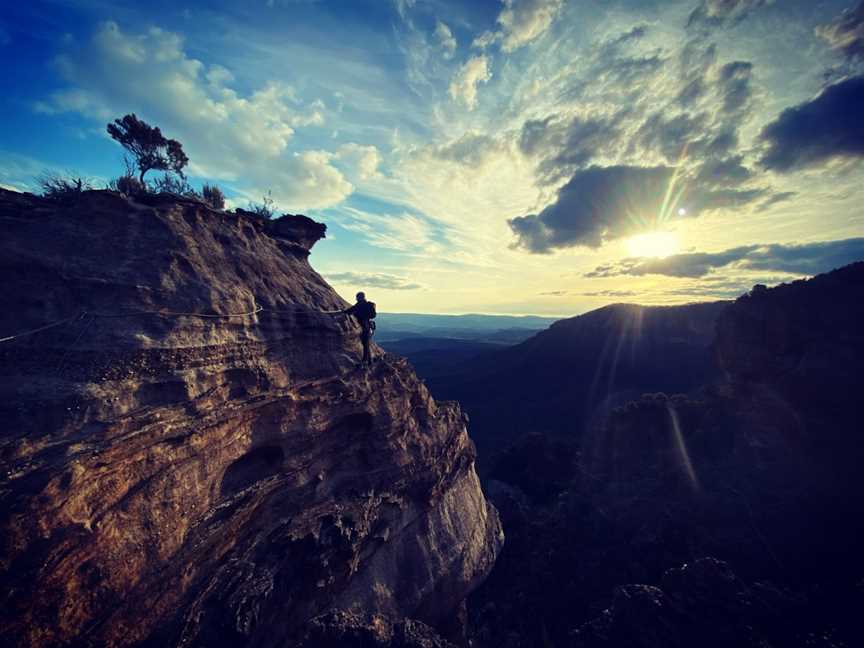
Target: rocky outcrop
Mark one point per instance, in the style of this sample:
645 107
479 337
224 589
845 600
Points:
190 456
701 604
339 629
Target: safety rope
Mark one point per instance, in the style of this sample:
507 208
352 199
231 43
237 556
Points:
9 338
258 309
42 328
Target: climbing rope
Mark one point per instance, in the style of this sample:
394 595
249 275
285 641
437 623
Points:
75 318
160 313
257 310
42 328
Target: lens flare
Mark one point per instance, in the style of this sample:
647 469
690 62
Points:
681 448
653 244
654 239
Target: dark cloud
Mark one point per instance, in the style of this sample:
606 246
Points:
610 293
692 90
846 33
616 70
734 84
472 149
723 172
722 287
631 69
779 197
828 127
691 119
633 34
808 258
804 259
563 145
717 13
688 264
722 142
376 279
603 203
694 62
699 198
554 293
670 134
595 205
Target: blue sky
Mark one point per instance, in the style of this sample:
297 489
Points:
501 156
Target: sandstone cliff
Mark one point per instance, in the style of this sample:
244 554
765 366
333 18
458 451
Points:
190 457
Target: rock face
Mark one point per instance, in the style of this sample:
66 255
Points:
191 458
760 470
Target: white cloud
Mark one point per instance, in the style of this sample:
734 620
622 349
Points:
20 173
240 139
521 22
401 232
375 279
463 87
366 159
403 6
445 38
469 185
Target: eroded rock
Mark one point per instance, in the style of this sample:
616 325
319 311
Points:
173 475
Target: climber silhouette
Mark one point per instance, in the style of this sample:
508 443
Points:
364 312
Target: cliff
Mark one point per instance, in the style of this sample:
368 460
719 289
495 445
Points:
190 456
730 516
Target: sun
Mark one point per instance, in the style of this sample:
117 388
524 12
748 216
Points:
653 244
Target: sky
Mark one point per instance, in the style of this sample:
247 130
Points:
493 156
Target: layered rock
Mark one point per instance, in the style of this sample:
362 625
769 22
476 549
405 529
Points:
190 456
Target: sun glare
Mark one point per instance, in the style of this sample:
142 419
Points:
653 244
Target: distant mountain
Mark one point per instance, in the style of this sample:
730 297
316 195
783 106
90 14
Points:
727 517
437 356
559 379
507 329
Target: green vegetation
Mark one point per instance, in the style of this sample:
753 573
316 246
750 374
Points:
150 151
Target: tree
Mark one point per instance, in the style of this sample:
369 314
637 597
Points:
150 148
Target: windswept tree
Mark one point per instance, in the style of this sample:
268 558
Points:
151 149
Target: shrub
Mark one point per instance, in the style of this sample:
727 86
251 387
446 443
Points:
266 208
175 185
151 150
213 196
128 184
62 187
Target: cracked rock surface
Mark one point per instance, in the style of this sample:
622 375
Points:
192 458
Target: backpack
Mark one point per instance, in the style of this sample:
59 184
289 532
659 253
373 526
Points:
370 310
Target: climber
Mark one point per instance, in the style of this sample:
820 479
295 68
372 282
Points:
364 312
